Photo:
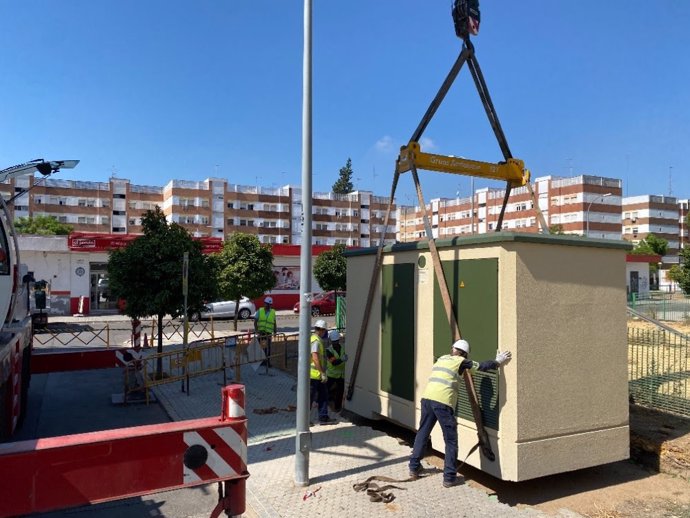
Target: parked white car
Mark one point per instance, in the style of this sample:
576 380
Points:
226 309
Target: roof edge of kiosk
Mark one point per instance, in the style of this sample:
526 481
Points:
499 237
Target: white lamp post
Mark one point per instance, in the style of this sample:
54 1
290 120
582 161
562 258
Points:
590 206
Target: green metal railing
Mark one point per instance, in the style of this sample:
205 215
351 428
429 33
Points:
341 313
659 370
662 306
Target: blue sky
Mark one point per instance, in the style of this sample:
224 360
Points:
165 89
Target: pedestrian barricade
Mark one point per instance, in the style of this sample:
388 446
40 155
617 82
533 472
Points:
71 334
179 365
175 328
249 349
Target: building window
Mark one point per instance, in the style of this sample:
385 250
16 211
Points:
230 205
119 213
119 229
119 196
81 203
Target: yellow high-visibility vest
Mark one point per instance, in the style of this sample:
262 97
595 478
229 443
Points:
443 382
336 371
266 323
315 373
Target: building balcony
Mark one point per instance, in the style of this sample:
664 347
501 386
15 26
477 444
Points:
274 215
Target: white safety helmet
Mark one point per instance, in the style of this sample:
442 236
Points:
462 345
268 300
334 335
320 324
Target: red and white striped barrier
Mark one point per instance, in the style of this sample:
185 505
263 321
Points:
61 472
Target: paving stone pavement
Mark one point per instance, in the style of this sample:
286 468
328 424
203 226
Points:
341 455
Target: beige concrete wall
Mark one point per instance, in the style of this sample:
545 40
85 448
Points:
563 397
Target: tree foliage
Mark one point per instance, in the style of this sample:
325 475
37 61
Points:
680 273
651 245
245 268
556 229
330 269
147 273
344 183
42 226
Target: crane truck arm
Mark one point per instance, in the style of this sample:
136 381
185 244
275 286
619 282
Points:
45 167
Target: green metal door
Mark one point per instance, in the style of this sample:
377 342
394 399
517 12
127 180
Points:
397 330
473 287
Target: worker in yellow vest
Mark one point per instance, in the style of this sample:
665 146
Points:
439 400
336 356
265 327
317 372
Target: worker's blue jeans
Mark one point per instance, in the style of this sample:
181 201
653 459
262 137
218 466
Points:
433 411
319 393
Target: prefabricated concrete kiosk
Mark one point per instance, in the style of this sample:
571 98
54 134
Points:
556 302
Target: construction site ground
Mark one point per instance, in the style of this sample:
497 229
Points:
349 452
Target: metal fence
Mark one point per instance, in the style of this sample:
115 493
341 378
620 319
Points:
341 313
662 306
659 370
119 334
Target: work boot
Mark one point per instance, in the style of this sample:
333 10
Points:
414 474
452 483
328 422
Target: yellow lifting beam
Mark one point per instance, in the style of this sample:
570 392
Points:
512 170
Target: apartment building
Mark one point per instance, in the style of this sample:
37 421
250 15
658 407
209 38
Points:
683 222
209 208
650 214
584 205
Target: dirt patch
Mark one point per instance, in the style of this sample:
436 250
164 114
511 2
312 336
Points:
660 441
619 490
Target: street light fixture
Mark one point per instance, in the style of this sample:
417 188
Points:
590 206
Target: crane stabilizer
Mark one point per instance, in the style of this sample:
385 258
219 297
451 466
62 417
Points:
512 170
45 167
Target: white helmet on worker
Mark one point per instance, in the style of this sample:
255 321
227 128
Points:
268 300
334 335
320 324
462 345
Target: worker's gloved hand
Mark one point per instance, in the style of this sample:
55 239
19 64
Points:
503 357
324 378
344 357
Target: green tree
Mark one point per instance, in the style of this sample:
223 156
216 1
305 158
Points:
42 226
330 269
680 273
651 245
147 273
344 183
245 268
556 228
